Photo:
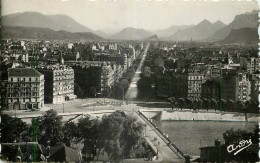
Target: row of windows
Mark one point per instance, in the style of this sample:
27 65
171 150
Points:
24 79
196 77
23 100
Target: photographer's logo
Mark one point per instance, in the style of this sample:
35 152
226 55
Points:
239 147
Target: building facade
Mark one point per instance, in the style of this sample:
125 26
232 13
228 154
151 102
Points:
229 85
59 83
255 84
25 88
195 81
211 89
171 83
253 65
244 89
3 94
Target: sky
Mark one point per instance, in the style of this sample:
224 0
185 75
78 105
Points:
146 14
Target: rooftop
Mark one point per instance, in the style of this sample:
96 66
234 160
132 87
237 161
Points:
20 72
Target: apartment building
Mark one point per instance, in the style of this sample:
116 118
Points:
25 88
171 83
59 83
195 81
244 87
229 86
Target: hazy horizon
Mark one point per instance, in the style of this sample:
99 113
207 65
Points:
148 15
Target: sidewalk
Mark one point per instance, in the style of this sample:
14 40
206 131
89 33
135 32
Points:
165 153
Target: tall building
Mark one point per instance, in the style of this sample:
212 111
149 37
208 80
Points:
195 81
171 83
59 83
107 78
255 84
93 75
253 65
244 87
25 88
211 89
3 94
229 86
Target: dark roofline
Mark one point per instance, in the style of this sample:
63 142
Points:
30 72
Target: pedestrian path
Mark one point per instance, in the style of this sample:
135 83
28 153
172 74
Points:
165 153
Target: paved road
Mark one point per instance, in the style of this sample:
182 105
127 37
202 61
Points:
165 153
132 91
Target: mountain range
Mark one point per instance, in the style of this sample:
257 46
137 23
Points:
198 32
242 36
38 26
46 34
131 33
249 20
35 19
171 30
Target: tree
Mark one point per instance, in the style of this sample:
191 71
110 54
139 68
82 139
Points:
171 100
146 72
214 104
47 128
181 102
252 106
124 83
240 106
188 103
112 126
231 105
144 87
119 91
131 138
93 91
124 136
71 133
12 129
89 135
205 104
223 104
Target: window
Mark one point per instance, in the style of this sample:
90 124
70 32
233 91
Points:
23 79
29 79
36 79
11 79
18 79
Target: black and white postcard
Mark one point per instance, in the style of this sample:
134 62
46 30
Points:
129 81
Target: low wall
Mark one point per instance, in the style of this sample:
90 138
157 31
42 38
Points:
207 116
200 116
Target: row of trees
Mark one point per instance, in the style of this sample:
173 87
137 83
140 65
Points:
144 85
206 104
117 134
124 82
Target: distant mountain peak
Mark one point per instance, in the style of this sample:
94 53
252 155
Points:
131 33
219 22
55 22
243 35
240 21
204 22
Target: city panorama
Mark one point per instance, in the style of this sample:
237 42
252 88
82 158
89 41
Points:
129 81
